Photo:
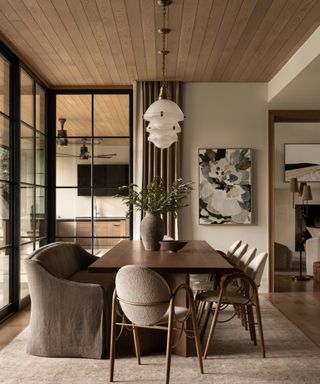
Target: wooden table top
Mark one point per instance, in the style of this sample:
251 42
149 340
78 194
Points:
196 257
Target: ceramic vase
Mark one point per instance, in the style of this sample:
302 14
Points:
151 231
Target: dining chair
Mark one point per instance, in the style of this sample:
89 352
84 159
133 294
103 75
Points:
240 290
203 282
233 248
237 255
144 300
208 282
247 258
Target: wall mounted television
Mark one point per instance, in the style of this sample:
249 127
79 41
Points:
106 179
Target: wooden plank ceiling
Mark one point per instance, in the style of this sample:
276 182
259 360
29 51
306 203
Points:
114 42
111 115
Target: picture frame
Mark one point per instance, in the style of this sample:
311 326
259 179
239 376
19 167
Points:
302 161
225 186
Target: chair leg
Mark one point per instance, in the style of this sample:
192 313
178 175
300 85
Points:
206 320
259 320
212 328
200 311
136 344
169 342
196 333
252 327
113 336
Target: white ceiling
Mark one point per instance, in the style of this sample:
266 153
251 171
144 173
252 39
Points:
303 92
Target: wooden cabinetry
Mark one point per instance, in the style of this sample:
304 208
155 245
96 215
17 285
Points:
104 230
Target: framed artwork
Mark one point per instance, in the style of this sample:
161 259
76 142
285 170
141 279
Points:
225 186
302 161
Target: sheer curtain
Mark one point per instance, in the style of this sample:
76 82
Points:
148 160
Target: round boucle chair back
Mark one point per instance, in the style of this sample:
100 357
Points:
143 294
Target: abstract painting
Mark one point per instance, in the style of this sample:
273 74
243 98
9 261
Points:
302 161
225 186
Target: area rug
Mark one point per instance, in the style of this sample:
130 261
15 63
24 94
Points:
291 358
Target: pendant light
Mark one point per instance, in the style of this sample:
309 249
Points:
62 139
84 152
163 115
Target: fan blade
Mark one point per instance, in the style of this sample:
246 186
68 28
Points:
107 155
65 155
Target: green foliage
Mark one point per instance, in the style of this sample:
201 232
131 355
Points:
156 197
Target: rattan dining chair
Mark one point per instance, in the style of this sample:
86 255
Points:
144 299
240 290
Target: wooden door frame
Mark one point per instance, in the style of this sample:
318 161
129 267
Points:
280 116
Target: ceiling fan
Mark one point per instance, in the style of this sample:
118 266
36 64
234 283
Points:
85 154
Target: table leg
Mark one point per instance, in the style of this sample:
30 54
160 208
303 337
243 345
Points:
182 348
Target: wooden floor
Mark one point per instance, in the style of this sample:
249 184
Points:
11 327
298 301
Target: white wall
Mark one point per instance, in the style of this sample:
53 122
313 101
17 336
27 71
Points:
68 204
220 115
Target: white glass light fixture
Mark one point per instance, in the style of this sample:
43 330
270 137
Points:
163 115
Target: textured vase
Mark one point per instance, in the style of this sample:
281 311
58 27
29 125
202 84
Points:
151 231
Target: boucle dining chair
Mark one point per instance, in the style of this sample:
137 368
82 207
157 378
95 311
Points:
145 301
240 290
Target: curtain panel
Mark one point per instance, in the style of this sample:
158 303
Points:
150 161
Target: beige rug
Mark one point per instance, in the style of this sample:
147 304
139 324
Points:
291 358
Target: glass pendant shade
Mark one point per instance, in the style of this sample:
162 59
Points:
163 116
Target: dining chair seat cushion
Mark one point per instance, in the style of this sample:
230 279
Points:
233 298
203 285
179 314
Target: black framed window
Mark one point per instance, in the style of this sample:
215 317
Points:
92 164
6 184
33 186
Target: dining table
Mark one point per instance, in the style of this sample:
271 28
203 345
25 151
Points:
196 257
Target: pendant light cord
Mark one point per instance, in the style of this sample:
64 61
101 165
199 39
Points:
164 52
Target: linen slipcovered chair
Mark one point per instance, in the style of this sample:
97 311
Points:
70 307
145 300
240 290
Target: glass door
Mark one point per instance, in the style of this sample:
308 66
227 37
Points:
92 161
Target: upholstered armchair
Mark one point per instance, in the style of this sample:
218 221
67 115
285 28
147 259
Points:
70 308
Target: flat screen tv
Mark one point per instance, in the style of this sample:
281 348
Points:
106 179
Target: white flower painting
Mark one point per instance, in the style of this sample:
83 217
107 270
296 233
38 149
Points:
225 186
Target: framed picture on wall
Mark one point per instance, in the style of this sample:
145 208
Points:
225 186
302 161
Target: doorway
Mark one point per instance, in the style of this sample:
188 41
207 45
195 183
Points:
289 218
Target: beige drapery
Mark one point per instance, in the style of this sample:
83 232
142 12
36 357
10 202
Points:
148 160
